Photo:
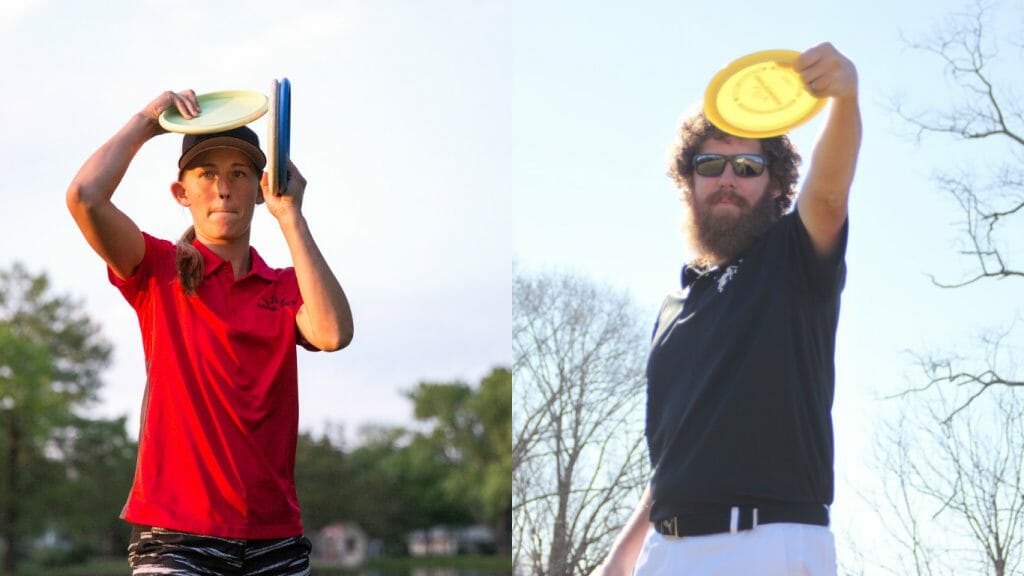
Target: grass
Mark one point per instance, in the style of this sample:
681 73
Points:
94 567
488 564
491 565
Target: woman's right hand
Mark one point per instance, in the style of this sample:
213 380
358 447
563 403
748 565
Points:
185 102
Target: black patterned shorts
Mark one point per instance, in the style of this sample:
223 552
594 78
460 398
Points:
158 551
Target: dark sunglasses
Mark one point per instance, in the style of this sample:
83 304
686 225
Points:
743 165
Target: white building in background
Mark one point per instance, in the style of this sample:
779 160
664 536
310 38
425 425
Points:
343 544
443 541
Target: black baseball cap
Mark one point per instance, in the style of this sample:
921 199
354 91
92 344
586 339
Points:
242 139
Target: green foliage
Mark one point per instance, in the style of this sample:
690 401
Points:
51 355
396 481
59 325
323 482
473 433
26 411
67 475
97 462
392 484
397 487
104 566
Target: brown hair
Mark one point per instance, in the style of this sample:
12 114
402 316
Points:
783 159
189 262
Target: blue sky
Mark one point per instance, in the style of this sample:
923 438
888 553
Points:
401 124
598 92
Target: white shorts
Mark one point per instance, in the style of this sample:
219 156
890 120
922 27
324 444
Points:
768 550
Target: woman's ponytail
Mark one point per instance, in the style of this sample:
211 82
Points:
189 262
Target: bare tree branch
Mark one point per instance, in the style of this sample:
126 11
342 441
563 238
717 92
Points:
988 110
579 460
952 488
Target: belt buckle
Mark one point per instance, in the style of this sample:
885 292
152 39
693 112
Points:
736 515
671 526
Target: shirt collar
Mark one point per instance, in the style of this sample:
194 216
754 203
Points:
692 272
211 262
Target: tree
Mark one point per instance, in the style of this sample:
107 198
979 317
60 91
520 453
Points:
473 429
952 465
323 481
93 465
51 355
986 111
400 478
953 493
578 456
394 482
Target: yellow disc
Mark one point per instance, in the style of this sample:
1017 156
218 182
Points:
218 111
760 95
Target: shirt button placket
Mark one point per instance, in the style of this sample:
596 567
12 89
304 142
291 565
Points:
228 278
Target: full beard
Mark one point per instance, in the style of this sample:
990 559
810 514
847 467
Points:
719 238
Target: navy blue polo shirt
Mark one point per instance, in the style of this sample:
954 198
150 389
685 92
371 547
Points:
741 376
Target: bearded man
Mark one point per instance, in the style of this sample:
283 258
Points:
740 377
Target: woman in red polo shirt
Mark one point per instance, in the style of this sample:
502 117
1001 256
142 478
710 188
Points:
214 488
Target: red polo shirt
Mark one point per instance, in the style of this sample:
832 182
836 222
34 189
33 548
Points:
220 415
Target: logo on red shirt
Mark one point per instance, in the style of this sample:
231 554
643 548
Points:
274 303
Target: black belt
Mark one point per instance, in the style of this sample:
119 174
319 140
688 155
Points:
704 520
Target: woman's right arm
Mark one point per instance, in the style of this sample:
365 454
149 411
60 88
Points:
110 232
622 557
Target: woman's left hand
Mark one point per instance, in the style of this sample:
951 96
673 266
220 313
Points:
290 202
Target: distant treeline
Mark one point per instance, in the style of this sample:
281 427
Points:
64 478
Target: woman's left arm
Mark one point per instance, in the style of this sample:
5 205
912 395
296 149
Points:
324 319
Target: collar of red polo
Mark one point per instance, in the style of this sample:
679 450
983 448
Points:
211 262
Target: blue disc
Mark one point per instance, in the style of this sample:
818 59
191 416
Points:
284 123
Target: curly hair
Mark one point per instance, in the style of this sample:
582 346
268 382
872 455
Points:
783 159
